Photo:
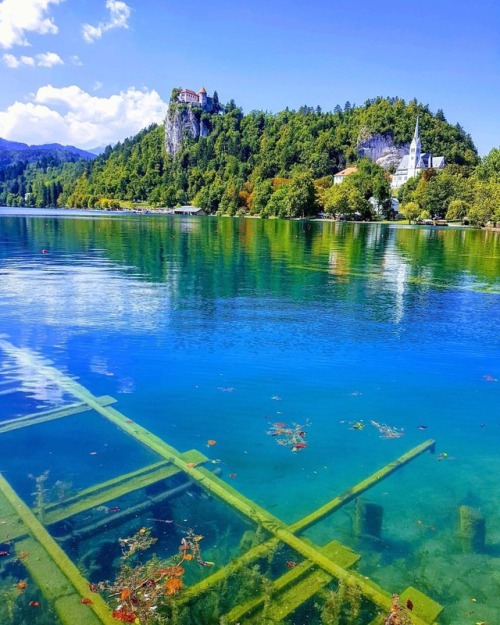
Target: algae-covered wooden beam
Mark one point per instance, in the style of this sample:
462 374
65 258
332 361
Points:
50 415
363 486
214 485
293 588
422 606
337 502
117 487
58 578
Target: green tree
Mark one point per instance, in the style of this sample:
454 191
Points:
301 197
457 209
411 211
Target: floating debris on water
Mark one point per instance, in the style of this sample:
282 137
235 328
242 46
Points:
226 389
489 378
355 425
276 398
429 527
386 431
398 614
289 436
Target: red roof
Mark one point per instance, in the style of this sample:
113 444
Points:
189 91
202 90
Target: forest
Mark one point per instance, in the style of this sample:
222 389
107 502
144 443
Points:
275 165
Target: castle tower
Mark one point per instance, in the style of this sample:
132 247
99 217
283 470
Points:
202 94
415 151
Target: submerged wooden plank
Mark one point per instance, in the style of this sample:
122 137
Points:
11 526
113 489
293 588
362 486
50 415
260 550
57 577
423 606
214 485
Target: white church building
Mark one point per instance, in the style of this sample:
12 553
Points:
416 161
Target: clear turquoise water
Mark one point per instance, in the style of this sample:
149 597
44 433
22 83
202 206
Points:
342 322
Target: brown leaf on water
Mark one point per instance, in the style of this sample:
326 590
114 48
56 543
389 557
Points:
173 585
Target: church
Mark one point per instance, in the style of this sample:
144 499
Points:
416 161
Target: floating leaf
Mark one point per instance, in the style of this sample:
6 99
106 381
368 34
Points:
171 571
124 616
125 594
173 585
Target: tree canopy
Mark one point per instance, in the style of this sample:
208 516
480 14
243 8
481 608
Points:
269 164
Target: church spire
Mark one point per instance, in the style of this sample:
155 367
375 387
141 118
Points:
416 134
415 151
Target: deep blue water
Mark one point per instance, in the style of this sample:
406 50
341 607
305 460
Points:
195 325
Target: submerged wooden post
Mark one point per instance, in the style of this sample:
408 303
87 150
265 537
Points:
368 519
472 529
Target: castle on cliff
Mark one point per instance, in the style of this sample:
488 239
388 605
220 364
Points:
186 96
416 161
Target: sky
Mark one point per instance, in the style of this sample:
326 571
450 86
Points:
93 72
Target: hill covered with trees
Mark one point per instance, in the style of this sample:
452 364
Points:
270 164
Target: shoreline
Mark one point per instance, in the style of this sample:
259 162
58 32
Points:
18 210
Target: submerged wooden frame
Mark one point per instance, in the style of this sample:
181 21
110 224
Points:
321 564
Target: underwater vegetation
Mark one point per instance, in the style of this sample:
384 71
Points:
142 590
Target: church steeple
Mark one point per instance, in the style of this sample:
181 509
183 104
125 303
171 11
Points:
416 134
415 151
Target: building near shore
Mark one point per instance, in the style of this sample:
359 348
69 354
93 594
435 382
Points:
416 161
339 177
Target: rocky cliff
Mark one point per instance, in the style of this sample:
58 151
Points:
181 122
381 149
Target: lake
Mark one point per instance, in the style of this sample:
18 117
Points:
361 341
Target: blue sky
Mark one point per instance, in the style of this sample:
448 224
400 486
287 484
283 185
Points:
91 72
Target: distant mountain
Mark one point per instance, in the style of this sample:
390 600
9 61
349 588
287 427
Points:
13 151
98 150
12 145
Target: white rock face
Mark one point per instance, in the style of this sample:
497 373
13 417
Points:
382 150
181 123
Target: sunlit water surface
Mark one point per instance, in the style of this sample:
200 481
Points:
218 328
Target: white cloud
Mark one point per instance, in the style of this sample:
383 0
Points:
72 116
46 59
49 59
11 61
28 60
119 12
75 60
18 17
